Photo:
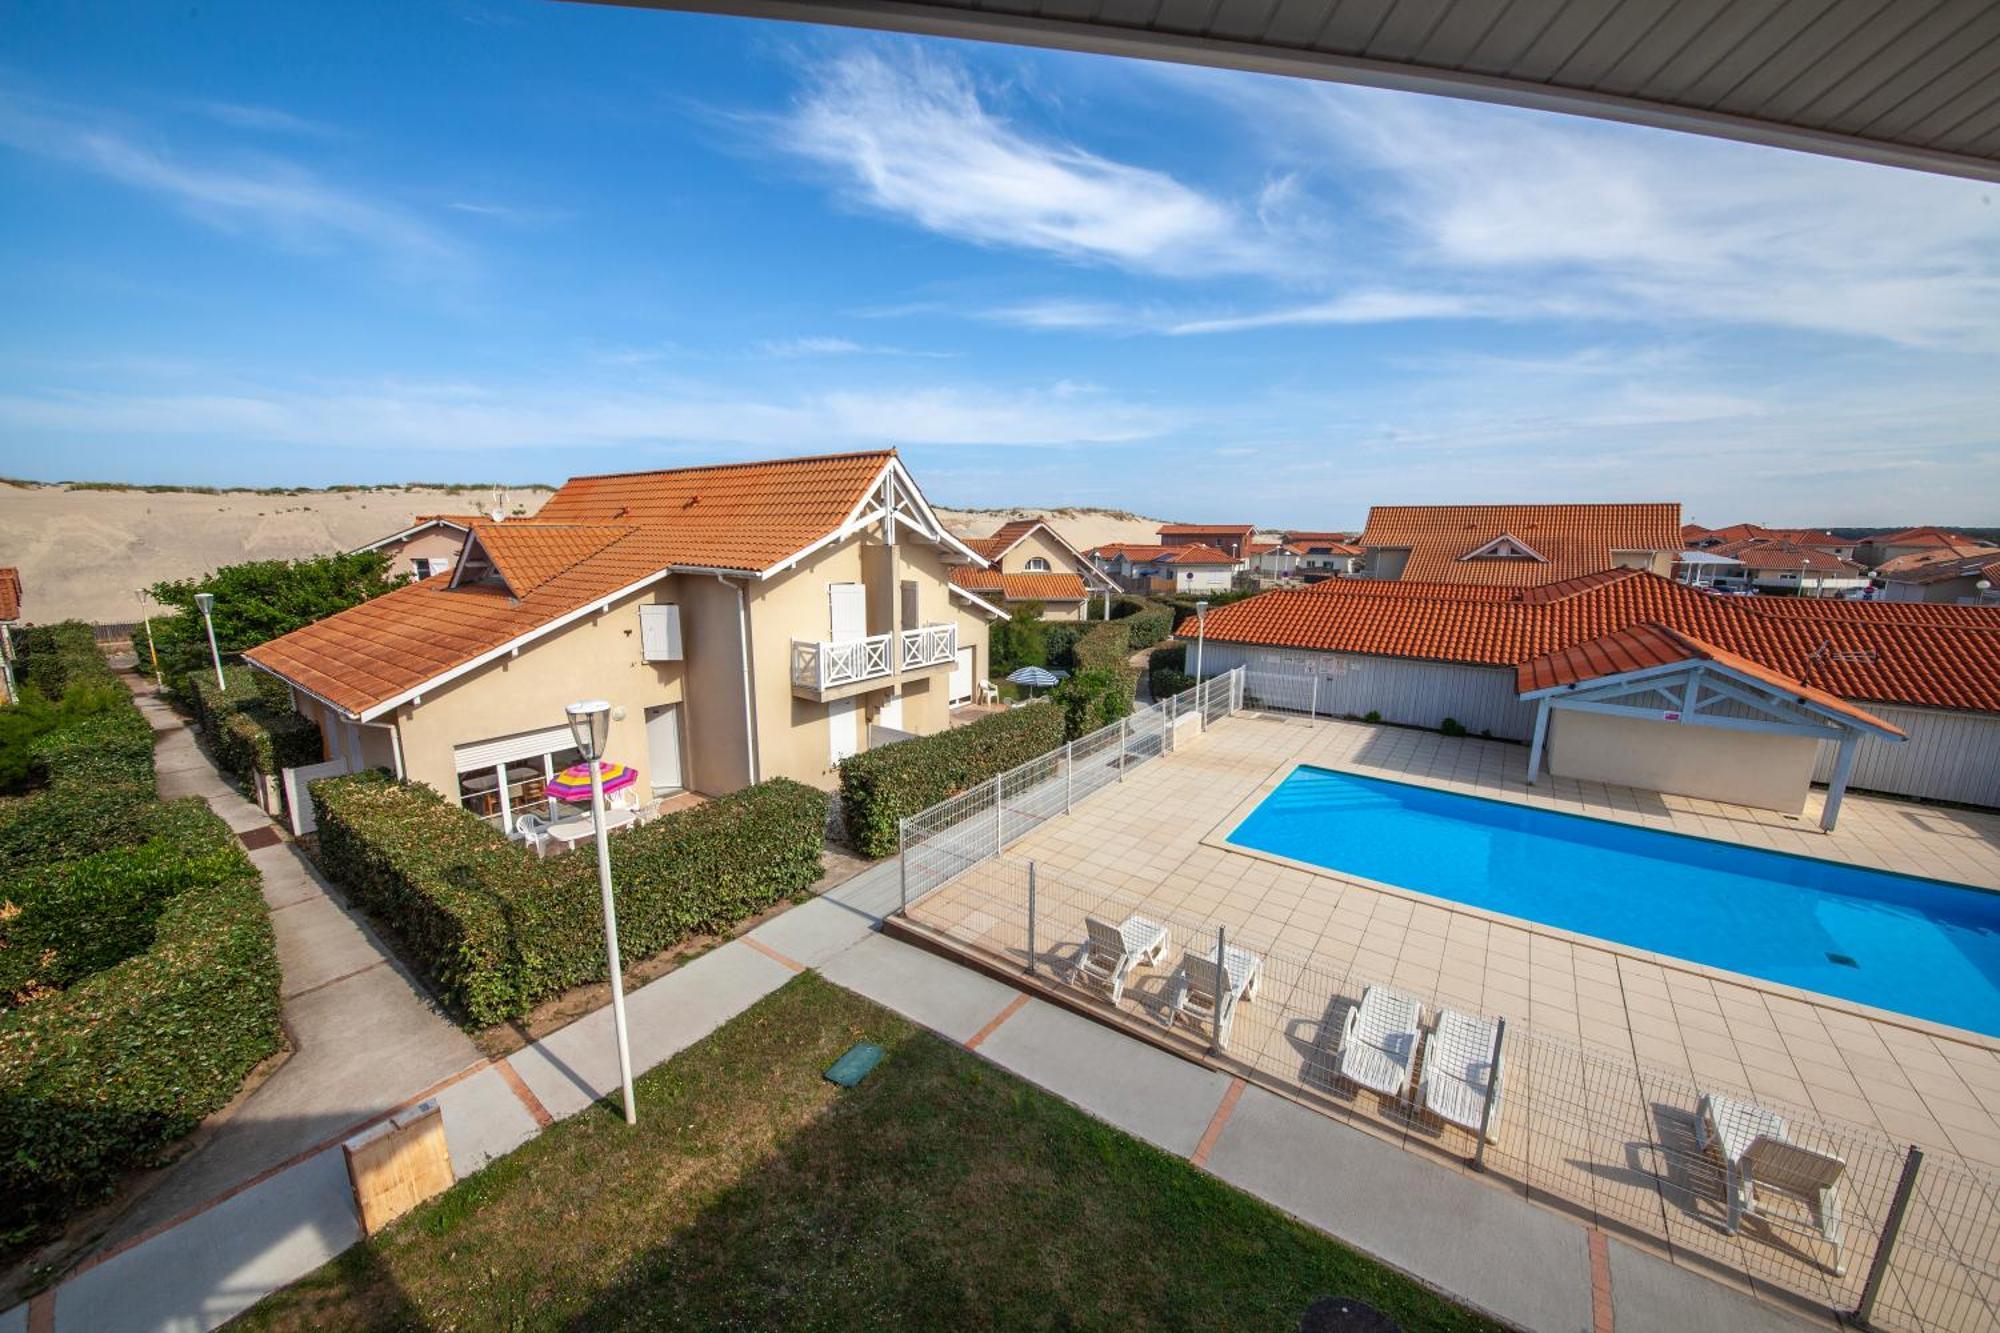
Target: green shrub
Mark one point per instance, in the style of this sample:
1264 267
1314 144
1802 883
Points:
1148 627
1172 657
96 1080
1451 726
1059 642
96 776
1371 716
879 787
52 657
1165 682
1094 698
499 931
1107 647
249 733
1018 641
63 921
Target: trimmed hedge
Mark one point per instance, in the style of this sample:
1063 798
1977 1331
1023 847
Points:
1107 647
1173 657
1059 640
498 930
1095 698
99 786
879 787
1148 627
51 657
1165 682
96 1080
250 725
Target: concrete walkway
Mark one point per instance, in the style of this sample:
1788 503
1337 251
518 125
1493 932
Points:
1528 1266
364 1035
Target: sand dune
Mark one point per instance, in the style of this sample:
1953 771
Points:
86 553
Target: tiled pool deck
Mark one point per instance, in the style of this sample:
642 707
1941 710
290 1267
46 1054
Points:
1154 842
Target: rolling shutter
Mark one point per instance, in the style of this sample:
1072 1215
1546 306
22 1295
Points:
485 754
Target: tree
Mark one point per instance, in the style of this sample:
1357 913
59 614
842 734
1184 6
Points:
1018 641
257 601
1093 699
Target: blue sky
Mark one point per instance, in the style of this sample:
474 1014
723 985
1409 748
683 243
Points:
291 244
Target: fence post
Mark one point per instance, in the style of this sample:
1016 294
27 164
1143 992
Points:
1221 983
1906 1185
1069 775
1124 726
999 815
903 865
1492 1095
1312 711
1031 918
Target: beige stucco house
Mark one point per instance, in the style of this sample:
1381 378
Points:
745 621
1028 561
429 546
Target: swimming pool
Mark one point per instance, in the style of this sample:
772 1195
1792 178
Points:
1917 946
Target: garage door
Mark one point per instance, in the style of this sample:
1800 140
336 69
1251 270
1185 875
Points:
961 679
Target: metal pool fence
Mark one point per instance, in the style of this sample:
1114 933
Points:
1587 1130
957 834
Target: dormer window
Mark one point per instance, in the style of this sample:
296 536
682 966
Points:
475 566
1037 565
1506 547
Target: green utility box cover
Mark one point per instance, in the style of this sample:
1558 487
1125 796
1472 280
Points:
851 1068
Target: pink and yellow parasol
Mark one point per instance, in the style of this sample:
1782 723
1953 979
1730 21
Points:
573 784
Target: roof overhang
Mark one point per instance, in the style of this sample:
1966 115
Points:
1725 683
1903 86
998 613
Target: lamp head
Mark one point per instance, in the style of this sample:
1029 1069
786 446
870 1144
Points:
590 726
205 601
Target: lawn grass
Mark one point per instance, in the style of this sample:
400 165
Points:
941 1193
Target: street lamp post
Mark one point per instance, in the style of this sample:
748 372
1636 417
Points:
590 725
152 649
206 601
1200 635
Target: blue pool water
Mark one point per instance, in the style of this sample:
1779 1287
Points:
1917 946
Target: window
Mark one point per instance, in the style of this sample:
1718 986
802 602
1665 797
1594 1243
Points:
501 793
423 566
911 618
1038 566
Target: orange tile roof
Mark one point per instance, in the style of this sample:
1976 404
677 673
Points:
1923 537
1316 538
745 517
1644 645
1737 532
988 547
1197 554
1915 560
10 593
528 554
1770 553
1137 552
1021 587
1572 539
1207 529
1927 655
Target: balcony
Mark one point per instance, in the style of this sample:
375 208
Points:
822 670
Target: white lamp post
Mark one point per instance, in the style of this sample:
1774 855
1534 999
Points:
206 601
590 724
1200 635
152 650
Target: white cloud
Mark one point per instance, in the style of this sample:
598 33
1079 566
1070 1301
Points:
263 119
264 197
1536 214
786 348
917 139
407 417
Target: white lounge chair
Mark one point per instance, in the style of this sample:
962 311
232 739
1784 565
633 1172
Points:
1111 952
1459 1066
1759 1158
1378 1043
1203 991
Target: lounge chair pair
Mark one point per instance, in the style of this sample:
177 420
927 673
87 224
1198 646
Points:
1382 1036
1759 1159
1110 953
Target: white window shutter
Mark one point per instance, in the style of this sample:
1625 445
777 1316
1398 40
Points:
660 632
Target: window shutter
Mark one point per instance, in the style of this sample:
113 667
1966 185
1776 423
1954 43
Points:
505 749
660 632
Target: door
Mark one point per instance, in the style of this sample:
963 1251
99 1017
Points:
890 714
663 747
841 737
849 618
961 679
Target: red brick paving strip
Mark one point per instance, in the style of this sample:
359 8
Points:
773 954
1600 1281
1013 1007
42 1311
1223 1111
526 1094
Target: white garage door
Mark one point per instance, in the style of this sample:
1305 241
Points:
961 678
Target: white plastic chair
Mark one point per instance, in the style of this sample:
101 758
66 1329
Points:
1211 993
1758 1158
1458 1068
1378 1042
534 831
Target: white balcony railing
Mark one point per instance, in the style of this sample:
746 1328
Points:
819 665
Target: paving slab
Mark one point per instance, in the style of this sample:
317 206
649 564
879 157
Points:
1142 1090
1651 1295
1486 1247
321 943
875 892
483 1119
217 1265
813 932
570 1069
923 987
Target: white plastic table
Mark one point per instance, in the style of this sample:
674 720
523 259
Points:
570 832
